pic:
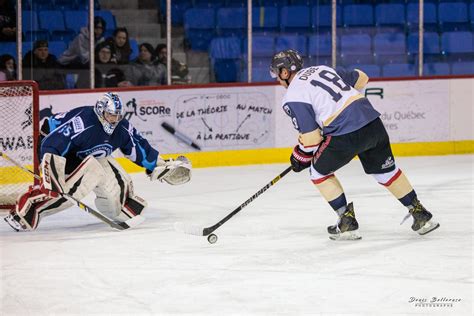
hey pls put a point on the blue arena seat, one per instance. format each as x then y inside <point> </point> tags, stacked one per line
<point>321,17</point>
<point>453,16</point>
<point>56,48</point>
<point>108,18</point>
<point>265,19</point>
<point>199,25</point>
<point>260,72</point>
<point>373,71</point>
<point>231,21</point>
<point>358,15</point>
<point>178,7</point>
<point>297,42</point>
<point>436,69</point>
<point>209,4</point>
<point>275,3</point>
<point>430,43</point>
<point>430,17</point>
<point>225,58</point>
<point>30,21</point>
<point>399,70</point>
<point>295,19</point>
<point>262,46</point>
<point>320,45</point>
<point>65,4</point>
<point>356,49</point>
<point>32,36</point>
<point>75,19</point>
<point>471,10</point>
<point>390,14</point>
<point>8,48</point>
<point>236,3</point>
<point>52,20</point>
<point>390,48</point>
<point>457,43</point>
<point>462,68</point>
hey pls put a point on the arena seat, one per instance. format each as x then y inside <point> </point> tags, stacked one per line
<point>399,70</point>
<point>265,19</point>
<point>295,19</point>
<point>231,21</point>
<point>199,25</point>
<point>453,16</point>
<point>225,58</point>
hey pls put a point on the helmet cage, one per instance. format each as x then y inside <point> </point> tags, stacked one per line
<point>111,104</point>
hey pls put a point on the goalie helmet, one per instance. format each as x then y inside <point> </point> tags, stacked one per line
<point>289,59</point>
<point>110,111</point>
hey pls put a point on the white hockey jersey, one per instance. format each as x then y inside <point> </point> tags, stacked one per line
<point>320,97</point>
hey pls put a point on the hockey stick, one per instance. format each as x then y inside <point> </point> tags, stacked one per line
<point>117,225</point>
<point>199,231</point>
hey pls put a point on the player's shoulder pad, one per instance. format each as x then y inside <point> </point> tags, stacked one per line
<point>362,79</point>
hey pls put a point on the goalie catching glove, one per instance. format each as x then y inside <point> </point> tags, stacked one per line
<point>173,172</point>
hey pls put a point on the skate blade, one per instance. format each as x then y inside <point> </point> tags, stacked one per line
<point>428,227</point>
<point>13,224</point>
<point>349,235</point>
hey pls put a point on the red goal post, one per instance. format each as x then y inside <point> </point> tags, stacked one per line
<point>19,135</point>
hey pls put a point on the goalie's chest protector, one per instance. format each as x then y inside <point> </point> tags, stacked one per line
<point>80,134</point>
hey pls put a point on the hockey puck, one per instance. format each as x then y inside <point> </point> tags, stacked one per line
<point>212,238</point>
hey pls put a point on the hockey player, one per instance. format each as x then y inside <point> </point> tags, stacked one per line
<point>336,123</point>
<point>75,151</point>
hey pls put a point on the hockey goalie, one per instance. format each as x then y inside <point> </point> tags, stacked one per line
<point>75,153</point>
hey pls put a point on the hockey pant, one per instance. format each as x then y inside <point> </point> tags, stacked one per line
<point>104,176</point>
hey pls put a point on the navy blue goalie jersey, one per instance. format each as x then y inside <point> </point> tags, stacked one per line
<point>79,133</point>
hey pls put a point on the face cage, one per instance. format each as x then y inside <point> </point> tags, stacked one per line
<point>109,127</point>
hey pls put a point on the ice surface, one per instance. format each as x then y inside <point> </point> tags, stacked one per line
<point>273,258</point>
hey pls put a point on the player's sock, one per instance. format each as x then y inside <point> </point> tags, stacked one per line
<point>347,226</point>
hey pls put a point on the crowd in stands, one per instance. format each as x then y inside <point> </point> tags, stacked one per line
<point>114,64</point>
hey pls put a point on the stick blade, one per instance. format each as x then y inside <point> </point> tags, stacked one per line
<point>188,229</point>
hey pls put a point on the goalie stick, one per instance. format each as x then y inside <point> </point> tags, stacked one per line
<point>117,225</point>
<point>199,231</point>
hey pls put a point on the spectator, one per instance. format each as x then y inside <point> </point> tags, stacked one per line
<point>41,66</point>
<point>7,67</point>
<point>121,46</point>
<point>146,70</point>
<point>77,54</point>
<point>7,22</point>
<point>107,73</point>
<point>179,71</point>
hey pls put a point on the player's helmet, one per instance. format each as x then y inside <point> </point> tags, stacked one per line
<point>289,59</point>
<point>110,111</point>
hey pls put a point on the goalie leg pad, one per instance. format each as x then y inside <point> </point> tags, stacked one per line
<point>115,194</point>
<point>132,207</point>
<point>84,178</point>
<point>33,205</point>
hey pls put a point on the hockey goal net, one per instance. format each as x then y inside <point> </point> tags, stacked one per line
<point>19,128</point>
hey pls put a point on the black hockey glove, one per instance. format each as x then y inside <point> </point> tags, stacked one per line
<point>300,160</point>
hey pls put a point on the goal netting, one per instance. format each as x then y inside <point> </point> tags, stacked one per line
<point>19,117</point>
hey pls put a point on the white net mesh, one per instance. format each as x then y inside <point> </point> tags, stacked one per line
<point>16,140</point>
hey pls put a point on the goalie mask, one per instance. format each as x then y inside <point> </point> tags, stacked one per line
<point>110,111</point>
<point>289,59</point>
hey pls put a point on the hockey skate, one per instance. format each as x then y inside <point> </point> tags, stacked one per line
<point>347,227</point>
<point>14,222</point>
<point>422,223</point>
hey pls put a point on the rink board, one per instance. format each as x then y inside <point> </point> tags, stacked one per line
<point>223,125</point>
